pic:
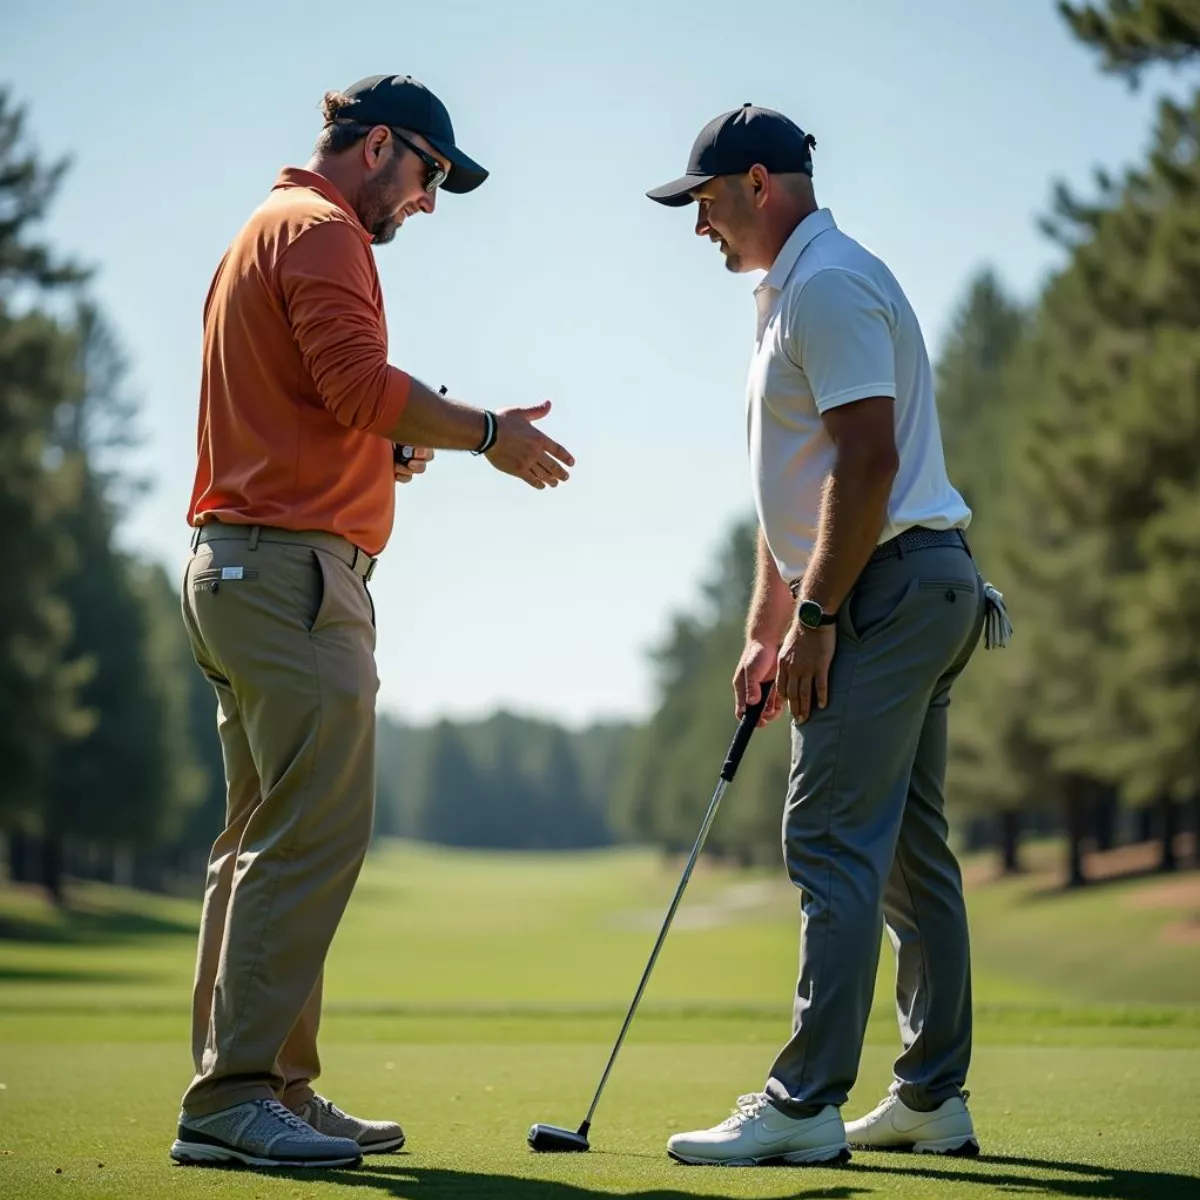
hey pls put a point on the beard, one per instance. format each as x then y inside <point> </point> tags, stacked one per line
<point>383,230</point>
<point>377,206</point>
<point>733,260</point>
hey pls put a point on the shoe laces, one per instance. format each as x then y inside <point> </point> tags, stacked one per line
<point>884,1106</point>
<point>286,1115</point>
<point>891,1100</point>
<point>329,1106</point>
<point>748,1107</point>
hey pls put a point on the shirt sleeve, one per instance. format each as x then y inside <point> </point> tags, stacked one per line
<point>326,277</point>
<point>839,334</point>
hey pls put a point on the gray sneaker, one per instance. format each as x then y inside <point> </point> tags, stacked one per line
<point>372,1137</point>
<point>260,1133</point>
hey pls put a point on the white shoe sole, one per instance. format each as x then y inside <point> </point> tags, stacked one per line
<point>961,1146</point>
<point>198,1154</point>
<point>818,1156</point>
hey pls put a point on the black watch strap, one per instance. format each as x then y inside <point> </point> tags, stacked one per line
<point>809,608</point>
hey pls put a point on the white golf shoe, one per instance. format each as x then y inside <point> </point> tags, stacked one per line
<point>758,1133</point>
<point>894,1126</point>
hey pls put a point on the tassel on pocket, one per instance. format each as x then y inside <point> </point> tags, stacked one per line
<point>997,628</point>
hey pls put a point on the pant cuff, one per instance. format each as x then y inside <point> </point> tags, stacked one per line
<point>925,1099</point>
<point>796,1109</point>
<point>296,1097</point>
<point>210,1102</point>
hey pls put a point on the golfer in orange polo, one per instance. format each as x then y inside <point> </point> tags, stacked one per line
<point>300,415</point>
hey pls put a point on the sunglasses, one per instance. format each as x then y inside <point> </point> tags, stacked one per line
<point>437,174</point>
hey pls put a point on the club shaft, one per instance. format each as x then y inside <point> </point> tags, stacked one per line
<point>662,935</point>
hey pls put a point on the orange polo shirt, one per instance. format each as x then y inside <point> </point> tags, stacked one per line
<point>296,393</point>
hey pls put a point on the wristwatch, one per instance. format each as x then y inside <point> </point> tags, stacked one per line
<point>812,615</point>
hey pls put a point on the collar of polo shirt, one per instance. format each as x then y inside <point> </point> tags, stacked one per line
<point>801,237</point>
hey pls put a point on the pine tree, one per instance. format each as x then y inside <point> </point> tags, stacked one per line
<point>126,783</point>
<point>1134,34</point>
<point>38,684</point>
<point>1112,458</point>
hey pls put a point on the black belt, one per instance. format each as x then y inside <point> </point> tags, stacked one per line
<point>915,538</point>
<point>919,538</point>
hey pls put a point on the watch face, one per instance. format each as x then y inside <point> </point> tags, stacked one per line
<point>810,614</point>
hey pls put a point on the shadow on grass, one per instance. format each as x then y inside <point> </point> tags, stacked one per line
<point>1065,1178</point>
<point>428,1183</point>
<point>60,975</point>
<point>1139,862</point>
<point>91,927</point>
<point>950,1177</point>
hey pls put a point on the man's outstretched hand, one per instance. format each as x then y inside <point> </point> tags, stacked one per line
<point>523,450</point>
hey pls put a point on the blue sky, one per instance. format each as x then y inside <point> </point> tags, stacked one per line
<point>941,128</point>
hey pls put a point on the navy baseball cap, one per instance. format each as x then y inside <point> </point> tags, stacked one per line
<point>733,143</point>
<point>400,101</point>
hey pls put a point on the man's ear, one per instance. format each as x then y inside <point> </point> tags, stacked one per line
<point>760,185</point>
<point>374,145</point>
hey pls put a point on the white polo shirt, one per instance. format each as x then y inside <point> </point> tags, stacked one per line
<point>834,326</point>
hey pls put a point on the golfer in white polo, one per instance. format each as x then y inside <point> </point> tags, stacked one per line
<point>867,606</point>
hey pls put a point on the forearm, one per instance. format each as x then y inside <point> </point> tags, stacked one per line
<point>853,510</point>
<point>771,605</point>
<point>438,423</point>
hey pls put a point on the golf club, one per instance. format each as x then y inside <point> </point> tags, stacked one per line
<point>551,1138</point>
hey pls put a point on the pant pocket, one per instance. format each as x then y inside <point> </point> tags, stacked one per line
<point>319,591</point>
<point>950,588</point>
<point>873,611</point>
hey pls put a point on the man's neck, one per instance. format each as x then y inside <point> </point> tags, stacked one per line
<point>333,170</point>
<point>789,222</point>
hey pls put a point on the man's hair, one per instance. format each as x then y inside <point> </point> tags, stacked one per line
<point>339,133</point>
<point>796,183</point>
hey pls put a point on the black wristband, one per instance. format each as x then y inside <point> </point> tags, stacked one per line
<point>490,431</point>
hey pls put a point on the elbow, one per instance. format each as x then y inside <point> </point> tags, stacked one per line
<point>886,465</point>
<point>370,401</point>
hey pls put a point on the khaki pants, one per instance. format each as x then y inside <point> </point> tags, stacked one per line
<point>283,627</point>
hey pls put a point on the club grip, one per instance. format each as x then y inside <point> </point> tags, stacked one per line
<point>747,725</point>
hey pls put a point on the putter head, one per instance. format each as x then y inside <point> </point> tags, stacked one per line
<point>550,1139</point>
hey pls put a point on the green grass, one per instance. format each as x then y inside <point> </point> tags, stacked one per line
<point>471,995</point>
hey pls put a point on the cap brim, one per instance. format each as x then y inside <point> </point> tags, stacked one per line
<point>678,192</point>
<point>465,173</point>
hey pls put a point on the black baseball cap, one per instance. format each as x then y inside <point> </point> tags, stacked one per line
<point>400,101</point>
<point>733,143</point>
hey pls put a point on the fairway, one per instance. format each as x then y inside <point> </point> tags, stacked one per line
<point>471,994</point>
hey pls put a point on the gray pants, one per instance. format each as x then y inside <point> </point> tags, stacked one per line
<point>865,838</point>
